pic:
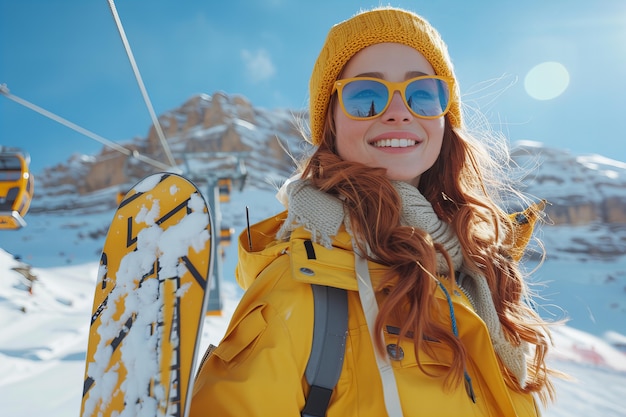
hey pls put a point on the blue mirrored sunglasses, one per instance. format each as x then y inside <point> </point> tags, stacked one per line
<point>362,98</point>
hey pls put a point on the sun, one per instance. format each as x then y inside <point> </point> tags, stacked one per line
<point>547,80</point>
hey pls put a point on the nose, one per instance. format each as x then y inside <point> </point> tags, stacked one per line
<point>397,110</point>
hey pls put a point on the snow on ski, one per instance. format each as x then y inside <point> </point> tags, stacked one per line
<point>150,302</point>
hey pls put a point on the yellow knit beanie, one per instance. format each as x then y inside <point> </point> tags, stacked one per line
<point>385,24</point>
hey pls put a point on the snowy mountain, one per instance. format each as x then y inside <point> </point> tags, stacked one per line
<point>586,193</point>
<point>44,319</point>
<point>205,134</point>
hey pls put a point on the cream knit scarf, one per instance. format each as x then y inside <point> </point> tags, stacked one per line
<point>323,214</point>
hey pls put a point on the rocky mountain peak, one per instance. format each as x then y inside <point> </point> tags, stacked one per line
<point>201,128</point>
<point>580,189</point>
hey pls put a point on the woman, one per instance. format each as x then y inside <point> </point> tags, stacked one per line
<point>393,207</point>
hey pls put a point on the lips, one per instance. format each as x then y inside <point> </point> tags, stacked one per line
<point>394,143</point>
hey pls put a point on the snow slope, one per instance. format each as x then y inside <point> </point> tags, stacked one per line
<point>44,338</point>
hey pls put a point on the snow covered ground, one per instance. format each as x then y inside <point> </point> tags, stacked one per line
<point>43,334</point>
<point>43,340</point>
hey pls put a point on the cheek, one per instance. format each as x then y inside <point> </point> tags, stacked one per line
<point>348,133</point>
<point>437,126</point>
<point>435,129</point>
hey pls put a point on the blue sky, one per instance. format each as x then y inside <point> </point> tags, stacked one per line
<point>67,57</point>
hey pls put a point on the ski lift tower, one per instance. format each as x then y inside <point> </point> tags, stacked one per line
<point>219,181</point>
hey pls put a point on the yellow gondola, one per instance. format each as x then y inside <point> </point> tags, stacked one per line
<point>16,188</point>
<point>225,186</point>
<point>226,235</point>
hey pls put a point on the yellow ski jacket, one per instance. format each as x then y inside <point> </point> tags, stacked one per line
<point>258,368</point>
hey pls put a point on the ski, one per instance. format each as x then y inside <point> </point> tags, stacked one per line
<point>150,302</point>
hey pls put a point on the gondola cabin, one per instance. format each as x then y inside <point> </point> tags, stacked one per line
<point>226,235</point>
<point>16,188</point>
<point>224,186</point>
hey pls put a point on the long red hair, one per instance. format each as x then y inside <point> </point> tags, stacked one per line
<point>457,187</point>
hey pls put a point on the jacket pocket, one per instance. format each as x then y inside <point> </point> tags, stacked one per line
<point>435,357</point>
<point>242,336</point>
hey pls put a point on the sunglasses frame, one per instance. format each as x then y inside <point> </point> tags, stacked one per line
<point>392,87</point>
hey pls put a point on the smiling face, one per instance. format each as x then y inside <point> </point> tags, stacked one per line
<point>405,145</point>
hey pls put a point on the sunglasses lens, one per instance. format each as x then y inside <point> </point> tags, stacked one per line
<point>364,98</point>
<point>428,96</point>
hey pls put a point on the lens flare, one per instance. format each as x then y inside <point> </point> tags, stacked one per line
<point>546,81</point>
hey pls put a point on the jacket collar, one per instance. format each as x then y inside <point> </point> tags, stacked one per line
<point>310,262</point>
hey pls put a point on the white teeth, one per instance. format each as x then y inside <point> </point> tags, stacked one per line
<point>394,143</point>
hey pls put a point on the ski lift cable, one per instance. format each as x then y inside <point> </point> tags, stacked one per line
<point>142,87</point>
<point>157,164</point>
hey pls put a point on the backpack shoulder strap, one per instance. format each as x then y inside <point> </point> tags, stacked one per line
<point>330,327</point>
